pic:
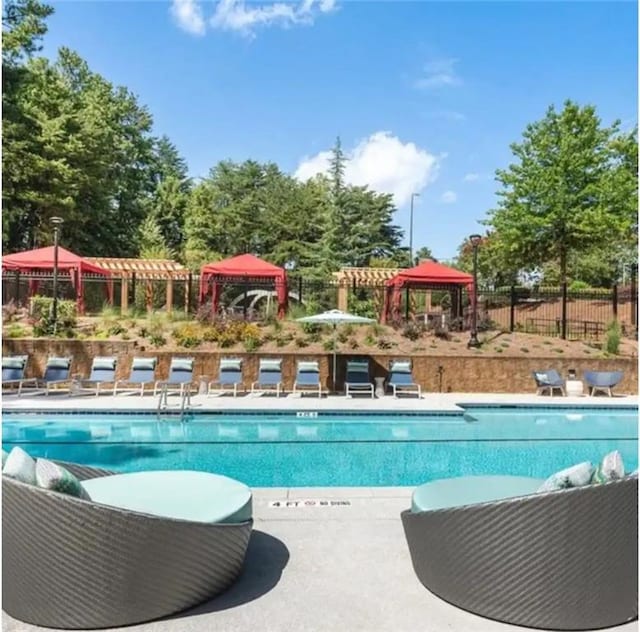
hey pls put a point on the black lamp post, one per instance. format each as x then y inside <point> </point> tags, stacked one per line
<point>473,340</point>
<point>57,222</point>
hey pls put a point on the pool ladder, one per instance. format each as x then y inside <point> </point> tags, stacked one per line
<point>185,400</point>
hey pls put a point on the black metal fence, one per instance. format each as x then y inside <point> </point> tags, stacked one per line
<point>551,311</point>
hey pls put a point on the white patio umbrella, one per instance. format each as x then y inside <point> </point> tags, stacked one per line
<point>335,317</point>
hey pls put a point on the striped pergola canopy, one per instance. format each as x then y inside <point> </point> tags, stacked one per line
<point>365,276</point>
<point>156,269</point>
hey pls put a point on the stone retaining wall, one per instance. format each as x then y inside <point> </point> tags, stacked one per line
<point>433,373</point>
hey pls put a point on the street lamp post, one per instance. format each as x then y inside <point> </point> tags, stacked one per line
<point>473,340</point>
<point>413,195</point>
<point>57,222</point>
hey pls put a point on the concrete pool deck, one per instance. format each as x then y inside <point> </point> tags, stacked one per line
<point>340,566</point>
<point>430,402</point>
<point>325,569</point>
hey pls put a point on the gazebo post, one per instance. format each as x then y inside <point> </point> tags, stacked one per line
<point>124,294</point>
<point>169,295</point>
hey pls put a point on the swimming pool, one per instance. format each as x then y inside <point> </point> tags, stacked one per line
<point>281,449</point>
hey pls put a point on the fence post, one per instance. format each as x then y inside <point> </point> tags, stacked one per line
<point>634,298</point>
<point>406,304</point>
<point>300,290</point>
<point>244,301</point>
<point>189,284</point>
<point>17,287</point>
<point>133,288</point>
<point>512,311</point>
<point>563,333</point>
<point>614,300</point>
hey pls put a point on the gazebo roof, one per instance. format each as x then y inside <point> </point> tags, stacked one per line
<point>431,272</point>
<point>158,269</point>
<point>43,259</point>
<point>243,265</point>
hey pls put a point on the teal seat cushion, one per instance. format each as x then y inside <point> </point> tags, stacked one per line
<point>182,495</point>
<point>470,490</point>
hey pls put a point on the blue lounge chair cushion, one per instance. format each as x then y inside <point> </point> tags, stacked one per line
<point>21,466</point>
<point>574,476</point>
<point>610,469</point>
<point>182,495</point>
<point>50,475</point>
<point>144,364</point>
<point>470,490</point>
<point>355,366</point>
<point>58,363</point>
<point>103,363</point>
<point>270,365</point>
<point>14,362</point>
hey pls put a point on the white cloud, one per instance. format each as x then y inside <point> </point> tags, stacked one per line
<point>437,74</point>
<point>382,162</point>
<point>448,197</point>
<point>188,16</point>
<point>235,15</point>
<point>471,177</point>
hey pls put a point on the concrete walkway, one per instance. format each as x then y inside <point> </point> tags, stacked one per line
<point>335,568</point>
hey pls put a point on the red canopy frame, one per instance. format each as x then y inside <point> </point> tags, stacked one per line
<point>68,263</point>
<point>240,269</point>
<point>427,275</point>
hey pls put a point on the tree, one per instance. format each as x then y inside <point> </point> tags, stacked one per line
<point>567,191</point>
<point>424,252</point>
<point>152,244</point>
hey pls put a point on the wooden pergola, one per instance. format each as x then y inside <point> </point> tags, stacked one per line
<point>361,277</point>
<point>146,270</point>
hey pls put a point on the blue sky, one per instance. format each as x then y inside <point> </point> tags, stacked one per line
<point>426,96</point>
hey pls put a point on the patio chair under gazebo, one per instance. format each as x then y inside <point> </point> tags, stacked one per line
<point>242,269</point>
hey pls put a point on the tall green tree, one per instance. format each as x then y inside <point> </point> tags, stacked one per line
<point>563,193</point>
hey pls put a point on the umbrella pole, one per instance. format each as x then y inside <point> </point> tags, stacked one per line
<point>334,357</point>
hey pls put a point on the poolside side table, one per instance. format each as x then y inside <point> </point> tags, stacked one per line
<point>574,388</point>
<point>379,386</point>
<point>203,387</point>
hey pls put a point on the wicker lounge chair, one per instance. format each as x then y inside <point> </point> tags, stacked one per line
<point>602,381</point>
<point>549,380</point>
<point>308,377</point>
<point>357,378</point>
<point>230,374</point>
<point>75,564</point>
<point>561,560</point>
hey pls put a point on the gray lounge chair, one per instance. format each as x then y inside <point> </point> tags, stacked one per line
<point>13,370</point>
<point>230,374</point>
<point>143,372</point>
<point>602,381</point>
<point>76,564</point>
<point>401,378</point>
<point>549,380</point>
<point>180,375</point>
<point>103,371</point>
<point>357,377</point>
<point>269,376</point>
<point>308,377</point>
<point>560,560</point>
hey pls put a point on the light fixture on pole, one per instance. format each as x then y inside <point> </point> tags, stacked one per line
<point>413,195</point>
<point>473,340</point>
<point>57,222</point>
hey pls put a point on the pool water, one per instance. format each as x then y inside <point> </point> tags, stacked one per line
<point>333,449</point>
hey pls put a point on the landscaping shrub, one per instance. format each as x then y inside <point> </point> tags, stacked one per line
<point>205,313</point>
<point>441,332</point>
<point>311,328</point>
<point>15,331</point>
<point>342,336</point>
<point>10,311</point>
<point>315,336</point>
<point>157,340</point>
<point>41,314</point>
<point>301,342</point>
<point>578,285</point>
<point>227,339</point>
<point>383,343</point>
<point>353,344</point>
<point>329,345</point>
<point>251,343</point>
<point>188,335</point>
<point>377,329</point>
<point>613,337</point>
<point>413,331</point>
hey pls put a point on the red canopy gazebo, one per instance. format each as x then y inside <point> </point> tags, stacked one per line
<point>429,275</point>
<point>241,269</point>
<point>41,259</point>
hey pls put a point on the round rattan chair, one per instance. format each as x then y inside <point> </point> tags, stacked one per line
<point>562,560</point>
<point>75,564</point>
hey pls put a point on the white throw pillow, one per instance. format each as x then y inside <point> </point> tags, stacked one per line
<point>50,475</point>
<point>5,454</point>
<point>574,476</point>
<point>611,468</point>
<point>21,466</point>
